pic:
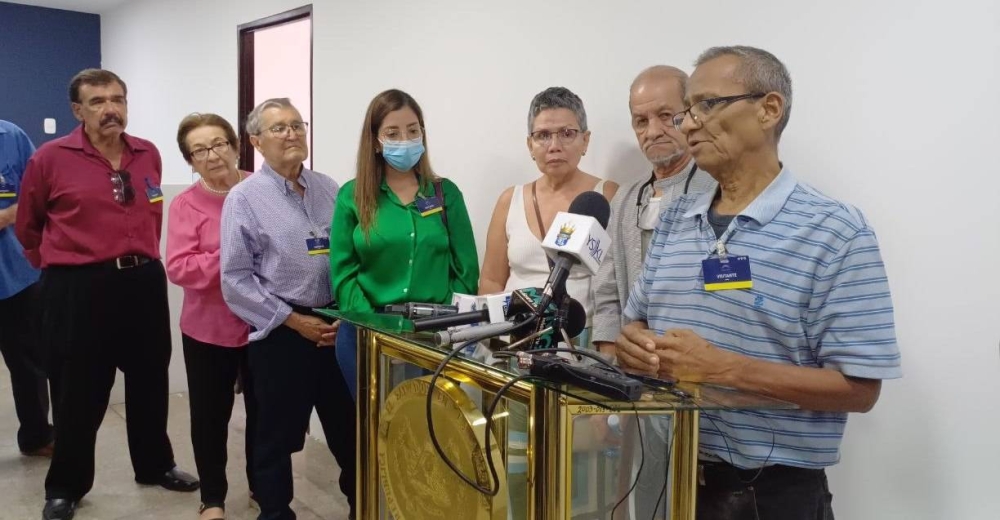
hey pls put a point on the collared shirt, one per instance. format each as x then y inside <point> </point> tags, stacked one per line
<point>406,257</point>
<point>67,213</point>
<point>820,299</point>
<point>193,226</point>
<point>265,260</point>
<point>15,150</point>
<point>629,244</point>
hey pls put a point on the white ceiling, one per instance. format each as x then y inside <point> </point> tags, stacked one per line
<point>84,6</point>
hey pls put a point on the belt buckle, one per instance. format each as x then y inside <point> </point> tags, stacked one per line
<point>127,265</point>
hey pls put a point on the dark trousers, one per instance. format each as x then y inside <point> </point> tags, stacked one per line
<point>291,376</point>
<point>212,373</point>
<point>780,493</point>
<point>19,347</point>
<point>97,319</point>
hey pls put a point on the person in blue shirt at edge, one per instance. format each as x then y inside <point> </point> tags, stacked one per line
<point>763,285</point>
<point>397,210</point>
<point>18,293</point>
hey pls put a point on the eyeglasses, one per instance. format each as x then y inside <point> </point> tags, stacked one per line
<point>299,128</point>
<point>566,135</point>
<point>395,134</point>
<point>121,187</point>
<point>700,110</point>
<point>200,154</point>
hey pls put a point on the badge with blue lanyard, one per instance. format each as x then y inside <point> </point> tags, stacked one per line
<point>723,271</point>
<point>153,193</point>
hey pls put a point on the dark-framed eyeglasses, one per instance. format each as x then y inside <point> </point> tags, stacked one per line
<point>700,110</point>
<point>121,187</point>
<point>566,135</point>
<point>200,154</point>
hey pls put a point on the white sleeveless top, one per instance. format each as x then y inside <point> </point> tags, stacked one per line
<point>529,266</point>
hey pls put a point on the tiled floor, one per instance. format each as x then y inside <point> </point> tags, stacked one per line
<point>117,496</point>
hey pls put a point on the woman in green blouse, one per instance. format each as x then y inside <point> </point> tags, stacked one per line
<point>400,233</point>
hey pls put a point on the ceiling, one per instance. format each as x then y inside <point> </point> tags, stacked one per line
<point>84,6</point>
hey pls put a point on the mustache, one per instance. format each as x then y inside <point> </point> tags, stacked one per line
<point>112,118</point>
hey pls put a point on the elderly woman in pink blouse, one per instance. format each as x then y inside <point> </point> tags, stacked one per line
<point>214,338</point>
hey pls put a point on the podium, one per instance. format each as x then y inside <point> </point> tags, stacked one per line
<point>560,452</point>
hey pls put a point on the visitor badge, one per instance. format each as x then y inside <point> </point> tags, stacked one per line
<point>727,272</point>
<point>318,246</point>
<point>429,205</point>
<point>153,193</point>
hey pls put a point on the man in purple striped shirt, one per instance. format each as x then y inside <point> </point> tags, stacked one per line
<point>274,247</point>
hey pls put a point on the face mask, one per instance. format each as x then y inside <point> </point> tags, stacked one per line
<point>403,155</point>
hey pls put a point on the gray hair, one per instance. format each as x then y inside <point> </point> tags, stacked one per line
<point>557,97</point>
<point>253,120</point>
<point>759,71</point>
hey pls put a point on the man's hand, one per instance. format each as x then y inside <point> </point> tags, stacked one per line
<point>688,357</point>
<point>636,349</point>
<point>314,329</point>
<point>7,216</point>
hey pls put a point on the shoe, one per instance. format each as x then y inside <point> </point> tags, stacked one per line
<point>59,509</point>
<point>211,513</point>
<point>44,451</point>
<point>174,480</point>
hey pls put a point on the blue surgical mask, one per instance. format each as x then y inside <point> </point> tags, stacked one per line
<point>403,155</point>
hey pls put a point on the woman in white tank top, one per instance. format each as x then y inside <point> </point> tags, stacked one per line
<point>557,139</point>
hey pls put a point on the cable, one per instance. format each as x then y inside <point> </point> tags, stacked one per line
<point>642,461</point>
<point>495,481</point>
<point>666,473</point>
<point>437,446</point>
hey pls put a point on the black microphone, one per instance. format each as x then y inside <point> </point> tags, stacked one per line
<point>412,310</point>
<point>587,204</point>
<point>450,320</point>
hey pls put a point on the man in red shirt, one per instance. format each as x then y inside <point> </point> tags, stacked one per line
<point>89,216</point>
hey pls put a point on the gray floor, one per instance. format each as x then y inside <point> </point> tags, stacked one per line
<point>117,496</point>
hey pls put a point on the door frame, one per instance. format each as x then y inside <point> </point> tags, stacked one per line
<point>245,67</point>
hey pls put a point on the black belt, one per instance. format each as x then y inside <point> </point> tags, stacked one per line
<point>127,261</point>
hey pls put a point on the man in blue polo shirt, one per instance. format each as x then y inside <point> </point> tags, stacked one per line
<point>763,285</point>
<point>17,300</point>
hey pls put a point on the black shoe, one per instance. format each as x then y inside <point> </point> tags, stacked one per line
<point>174,480</point>
<point>59,509</point>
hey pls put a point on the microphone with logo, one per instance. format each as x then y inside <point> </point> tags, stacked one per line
<point>577,237</point>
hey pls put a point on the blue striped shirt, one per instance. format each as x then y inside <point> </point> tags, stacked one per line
<point>820,299</point>
<point>15,150</point>
<point>264,257</point>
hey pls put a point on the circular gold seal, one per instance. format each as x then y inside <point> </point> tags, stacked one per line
<point>418,485</point>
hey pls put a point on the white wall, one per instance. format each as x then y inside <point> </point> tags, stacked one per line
<point>895,106</point>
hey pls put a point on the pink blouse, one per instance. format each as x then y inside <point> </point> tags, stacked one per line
<point>193,226</point>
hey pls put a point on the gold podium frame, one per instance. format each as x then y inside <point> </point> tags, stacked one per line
<point>550,414</point>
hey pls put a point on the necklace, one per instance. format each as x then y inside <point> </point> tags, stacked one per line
<point>221,192</point>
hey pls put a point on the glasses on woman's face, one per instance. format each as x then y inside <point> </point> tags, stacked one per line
<point>201,154</point>
<point>397,134</point>
<point>700,111</point>
<point>121,187</point>
<point>564,136</point>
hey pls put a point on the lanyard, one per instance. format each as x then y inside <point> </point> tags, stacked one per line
<point>720,244</point>
<point>652,179</point>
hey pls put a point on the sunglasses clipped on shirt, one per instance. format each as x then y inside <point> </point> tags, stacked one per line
<point>121,187</point>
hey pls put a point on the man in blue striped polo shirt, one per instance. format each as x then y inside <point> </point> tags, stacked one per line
<point>763,285</point>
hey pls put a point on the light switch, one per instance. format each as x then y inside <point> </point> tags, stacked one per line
<point>50,125</point>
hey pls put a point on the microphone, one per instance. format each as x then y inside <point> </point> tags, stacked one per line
<point>450,320</point>
<point>412,310</point>
<point>578,237</point>
<point>444,337</point>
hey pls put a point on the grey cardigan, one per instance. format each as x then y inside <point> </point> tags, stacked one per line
<point>623,261</point>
